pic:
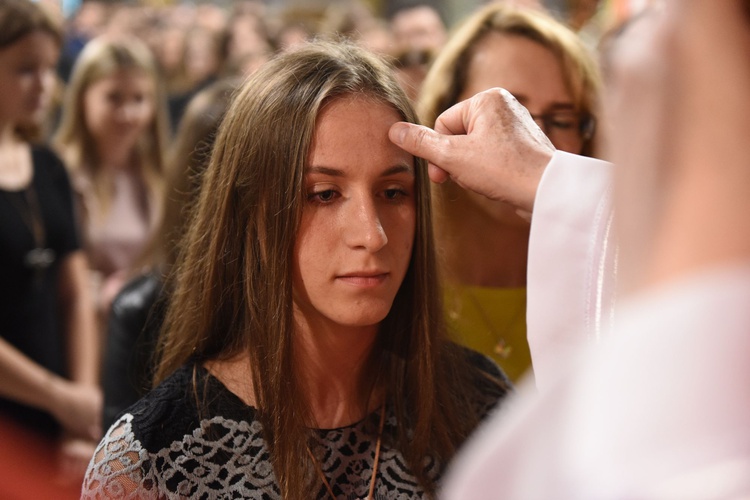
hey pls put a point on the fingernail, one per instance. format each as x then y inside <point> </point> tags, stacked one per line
<point>398,133</point>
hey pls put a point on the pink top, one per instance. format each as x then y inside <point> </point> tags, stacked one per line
<point>114,240</point>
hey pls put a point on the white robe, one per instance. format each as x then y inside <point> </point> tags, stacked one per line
<point>656,405</point>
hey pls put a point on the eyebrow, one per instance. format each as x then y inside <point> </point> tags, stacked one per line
<point>555,106</point>
<point>334,172</point>
<point>560,106</point>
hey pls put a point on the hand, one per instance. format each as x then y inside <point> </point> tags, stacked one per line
<point>488,144</point>
<point>78,408</point>
<point>110,287</point>
<point>74,455</point>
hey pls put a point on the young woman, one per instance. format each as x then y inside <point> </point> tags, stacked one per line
<point>112,137</point>
<point>304,353</point>
<point>484,243</point>
<point>48,348</point>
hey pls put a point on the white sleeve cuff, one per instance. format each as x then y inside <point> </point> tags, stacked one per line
<point>572,260</point>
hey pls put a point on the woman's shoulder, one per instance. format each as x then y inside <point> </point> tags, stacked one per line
<point>187,423</point>
<point>489,380</point>
<point>45,155</point>
<point>166,412</point>
<point>183,404</point>
<point>483,363</point>
<point>47,161</point>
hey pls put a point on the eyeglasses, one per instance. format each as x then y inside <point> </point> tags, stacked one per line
<point>566,125</point>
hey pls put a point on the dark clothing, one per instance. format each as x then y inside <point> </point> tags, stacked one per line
<point>177,104</point>
<point>134,323</point>
<point>169,445</point>
<point>30,318</point>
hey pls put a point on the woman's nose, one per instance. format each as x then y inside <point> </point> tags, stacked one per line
<point>364,229</point>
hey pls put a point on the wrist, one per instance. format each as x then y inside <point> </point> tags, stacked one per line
<point>53,388</point>
<point>529,187</point>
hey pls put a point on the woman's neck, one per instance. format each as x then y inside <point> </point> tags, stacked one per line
<point>115,158</point>
<point>332,364</point>
<point>481,250</point>
<point>15,161</point>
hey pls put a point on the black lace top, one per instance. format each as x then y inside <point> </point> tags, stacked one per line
<point>165,447</point>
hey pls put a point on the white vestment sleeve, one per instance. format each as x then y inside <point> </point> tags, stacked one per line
<point>656,408</point>
<point>572,262</point>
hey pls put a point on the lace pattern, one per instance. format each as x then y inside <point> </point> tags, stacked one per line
<point>115,470</point>
<point>227,459</point>
<point>162,449</point>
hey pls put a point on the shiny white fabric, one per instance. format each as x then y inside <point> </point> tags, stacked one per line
<point>658,408</point>
<point>571,256</point>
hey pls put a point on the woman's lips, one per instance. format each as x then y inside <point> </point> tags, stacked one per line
<point>364,279</point>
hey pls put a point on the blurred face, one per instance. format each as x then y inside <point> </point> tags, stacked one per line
<point>357,229</point>
<point>534,76</point>
<point>27,78</point>
<point>419,28</point>
<point>119,107</point>
<point>202,59</point>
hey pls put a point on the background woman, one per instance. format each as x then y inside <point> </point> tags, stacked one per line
<point>305,330</point>
<point>112,136</point>
<point>48,348</point>
<point>484,243</point>
<point>138,310</point>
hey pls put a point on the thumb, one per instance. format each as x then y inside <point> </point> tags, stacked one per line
<point>418,140</point>
<point>422,142</point>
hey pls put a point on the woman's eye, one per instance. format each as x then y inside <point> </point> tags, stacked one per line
<point>394,194</point>
<point>563,124</point>
<point>323,196</point>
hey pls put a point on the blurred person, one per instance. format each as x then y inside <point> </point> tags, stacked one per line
<point>203,57</point>
<point>112,136</point>
<point>248,44</point>
<point>168,46</point>
<point>48,346</point>
<point>346,19</point>
<point>294,26</point>
<point>376,37</point>
<point>658,407</point>
<point>86,23</point>
<point>211,17</point>
<point>485,243</point>
<point>138,310</point>
<point>203,63</point>
<point>411,70</point>
<point>418,27</point>
<point>124,20</point>
<point>305,326</point>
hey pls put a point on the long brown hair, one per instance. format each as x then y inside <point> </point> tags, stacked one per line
<point>233,290</point>
<point>187,161</point>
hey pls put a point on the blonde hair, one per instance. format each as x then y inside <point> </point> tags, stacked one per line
<point>448,74</point>
<point>233,292</point>
<point>100,58</point>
